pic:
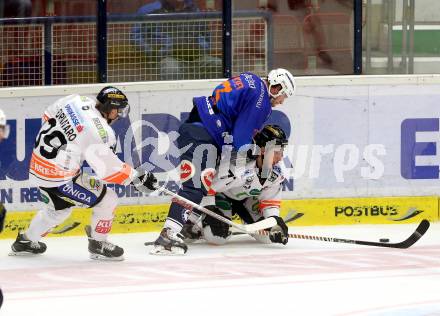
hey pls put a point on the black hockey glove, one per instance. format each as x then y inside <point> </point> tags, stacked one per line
<point>218,228</point>
<point>280,232</point>
<point>2,216</point>
<point>145,183</point>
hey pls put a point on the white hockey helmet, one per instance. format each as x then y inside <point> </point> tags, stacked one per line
<point>284,78</point>
<point>3,124</point>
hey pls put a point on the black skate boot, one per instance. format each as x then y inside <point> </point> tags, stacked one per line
<point>103,250</point>
<point>24,246</point>
<point>169,243</point>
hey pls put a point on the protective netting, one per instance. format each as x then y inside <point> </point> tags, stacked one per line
<point>136,51</point>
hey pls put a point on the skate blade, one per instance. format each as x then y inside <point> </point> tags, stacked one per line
<point>191,241</point>
<point>23,254</point>
<point>161,251</point>
<point>104,258</point>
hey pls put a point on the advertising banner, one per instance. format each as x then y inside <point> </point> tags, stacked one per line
<point>348,211</point>
<point>349,137</point>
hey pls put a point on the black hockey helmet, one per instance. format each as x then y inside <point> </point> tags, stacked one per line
<point>271,133</point>
<point>112,98</point>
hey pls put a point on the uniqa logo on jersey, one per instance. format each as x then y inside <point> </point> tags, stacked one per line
<point>78,194</point>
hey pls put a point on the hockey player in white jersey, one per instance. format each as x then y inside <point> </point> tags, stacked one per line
<point>77,129</point>
<point>4,127</point>
<point>4,133</point>
<point>249,191</point>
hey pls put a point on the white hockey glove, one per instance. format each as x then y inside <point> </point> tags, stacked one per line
<point>280,232</point>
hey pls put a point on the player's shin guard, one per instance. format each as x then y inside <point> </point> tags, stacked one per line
<point>102,219</point>
<point>44,221</point>
<point>102,216</point>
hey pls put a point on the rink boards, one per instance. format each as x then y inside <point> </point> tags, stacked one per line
<point>349,136</point>
<point>354,141</point>
<point>313,212</point>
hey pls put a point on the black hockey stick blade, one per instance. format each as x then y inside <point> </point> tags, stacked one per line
<point>411,240</point>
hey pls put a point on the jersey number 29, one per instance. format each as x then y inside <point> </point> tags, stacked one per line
<point>52,141</point>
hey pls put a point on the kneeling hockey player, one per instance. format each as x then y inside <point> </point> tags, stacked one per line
<point>251,192</point>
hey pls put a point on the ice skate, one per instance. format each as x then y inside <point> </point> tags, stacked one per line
<point>169,243</point>
<point>103,250</point>
<point>24,246</point>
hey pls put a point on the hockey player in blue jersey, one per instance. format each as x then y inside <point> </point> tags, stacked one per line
<point>236,110</point>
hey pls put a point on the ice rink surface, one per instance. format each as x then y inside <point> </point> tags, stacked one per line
<point>240,278</point>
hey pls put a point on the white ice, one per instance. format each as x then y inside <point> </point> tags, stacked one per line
<point>240,278</point>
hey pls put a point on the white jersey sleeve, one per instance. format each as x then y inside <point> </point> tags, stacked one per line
<point>107,166</point>
<point>270,196</point>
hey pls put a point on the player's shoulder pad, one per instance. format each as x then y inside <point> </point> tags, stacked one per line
<point>276,174</point>
<point>244,170</point>
<point>78,101</point>
<point>248,174</point>
<point>86,99</point>
<point>252,81</point>
<point>245,174</point>
<point>102,131</point>
<point>64,100</point>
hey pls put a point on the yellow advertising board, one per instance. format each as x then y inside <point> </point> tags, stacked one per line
<point>377,210</point>
<point>311,212</point>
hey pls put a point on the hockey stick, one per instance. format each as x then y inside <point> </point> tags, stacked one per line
<point>246,228</point>
<point>66,228</point>
<point>411,240</point>
<point>290,217</point>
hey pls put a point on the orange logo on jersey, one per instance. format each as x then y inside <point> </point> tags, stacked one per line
<point>187,170</point>
<point>47,170</point>
<point>226,88</point>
